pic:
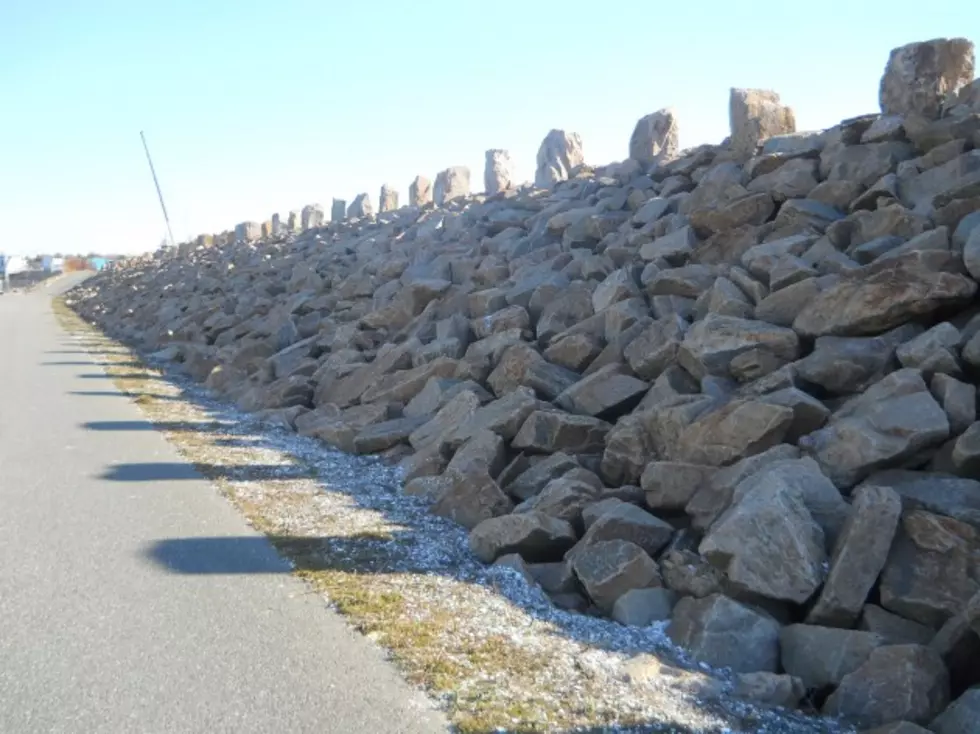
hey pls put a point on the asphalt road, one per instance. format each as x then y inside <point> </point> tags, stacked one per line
<point>94,637</point>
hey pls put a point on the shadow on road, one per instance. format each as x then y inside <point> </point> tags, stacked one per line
<point>104,376</point>
<point>80,363</point>
<point>120,394</point>
<point>170,471</point>
<point>150,426</point>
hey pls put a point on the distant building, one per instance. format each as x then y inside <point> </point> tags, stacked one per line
<point>52,264</point>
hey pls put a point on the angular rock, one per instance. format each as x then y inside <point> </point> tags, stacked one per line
<point>881,297</point>
<point>608,569</point>
<point>471,498</point>
<point>739,429</point>
<point>756,115</point>
<point>536,537</point>
<point>822,656</point>
<point>930,573</point>
<point>920,76</point>
<point>655,138</point>
<point>859,556</point>
<point>420,192</point>
<point>604,394</point>
<point>769,544</point>
<point>549,431</point>
<point>560,153</point>
<point>640,607</point>
<point>897,682</point>
<point>892,422</point>
<point>726,634</point>
<point>498,173</point>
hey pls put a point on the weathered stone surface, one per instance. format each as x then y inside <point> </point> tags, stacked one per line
<point>931,569</point>
<point>961,716</point>
<point>655,138</point>
<point>711,345</point>
<point>603,394</point>
<point>919,76</point>
<point>769,689</point>
<point>420,192</point>
<point>548,431</point>
<point>858,557</point>
<point>756,115</point>
<point>640,607</point>
<point>381,436</point>
<point>882,297</point>
<point>498,174</point>
<point>535,478</point>
<point>769,544</point>
<point>471,498</point>
<point>450,184</point>
<point>670,485</point>
<point>726,634</point>
<point>955,497</point>
<point>559,155</point>
<point>536,537</point>
<point>894,629</point>
<point>387,199</point>
<point>338,210</point>
<point>610,568</point>
<point>737,430</point>
<point>361,207</point>
<point>627,522</point>
<point>894,420</point>
<point>822,656</point>
<point>897,682</point>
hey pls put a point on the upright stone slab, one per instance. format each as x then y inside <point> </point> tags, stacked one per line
<point>276,224</point>
<point>247,232</point>
<point>338,211</point>
<point>295,221</point>
<point>360,207</point>
<point>560,153</point>
<point>755,115</point>
<point>919,76</point>
<point>498,175</point>
<point>312,216</point>
<point>451,183</point>
<point>266,228</point>
<point>655,137</point>
<point>420,192</point>
<point>388,201</point>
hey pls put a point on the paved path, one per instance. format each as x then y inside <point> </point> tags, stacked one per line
<point>95,638</point>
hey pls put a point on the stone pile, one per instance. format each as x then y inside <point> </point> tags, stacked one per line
<point>732,387</point>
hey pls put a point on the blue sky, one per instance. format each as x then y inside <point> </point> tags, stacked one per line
<point>255,107</point>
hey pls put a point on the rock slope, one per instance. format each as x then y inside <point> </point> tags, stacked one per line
<point>733,387</point>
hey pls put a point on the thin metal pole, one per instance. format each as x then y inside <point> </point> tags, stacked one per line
<point>159,193</point>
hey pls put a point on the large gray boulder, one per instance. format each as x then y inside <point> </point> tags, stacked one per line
<point>498,174</point>
<point>726,634</point>
<point>755,115</point>
<point>655,138</point>
<point>451,183</point>
<point>920,76</point>
<point>560,153</point>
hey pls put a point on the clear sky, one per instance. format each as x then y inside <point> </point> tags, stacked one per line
<point>255,107</point>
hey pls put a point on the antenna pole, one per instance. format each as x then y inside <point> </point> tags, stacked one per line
<point>159,193</point>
